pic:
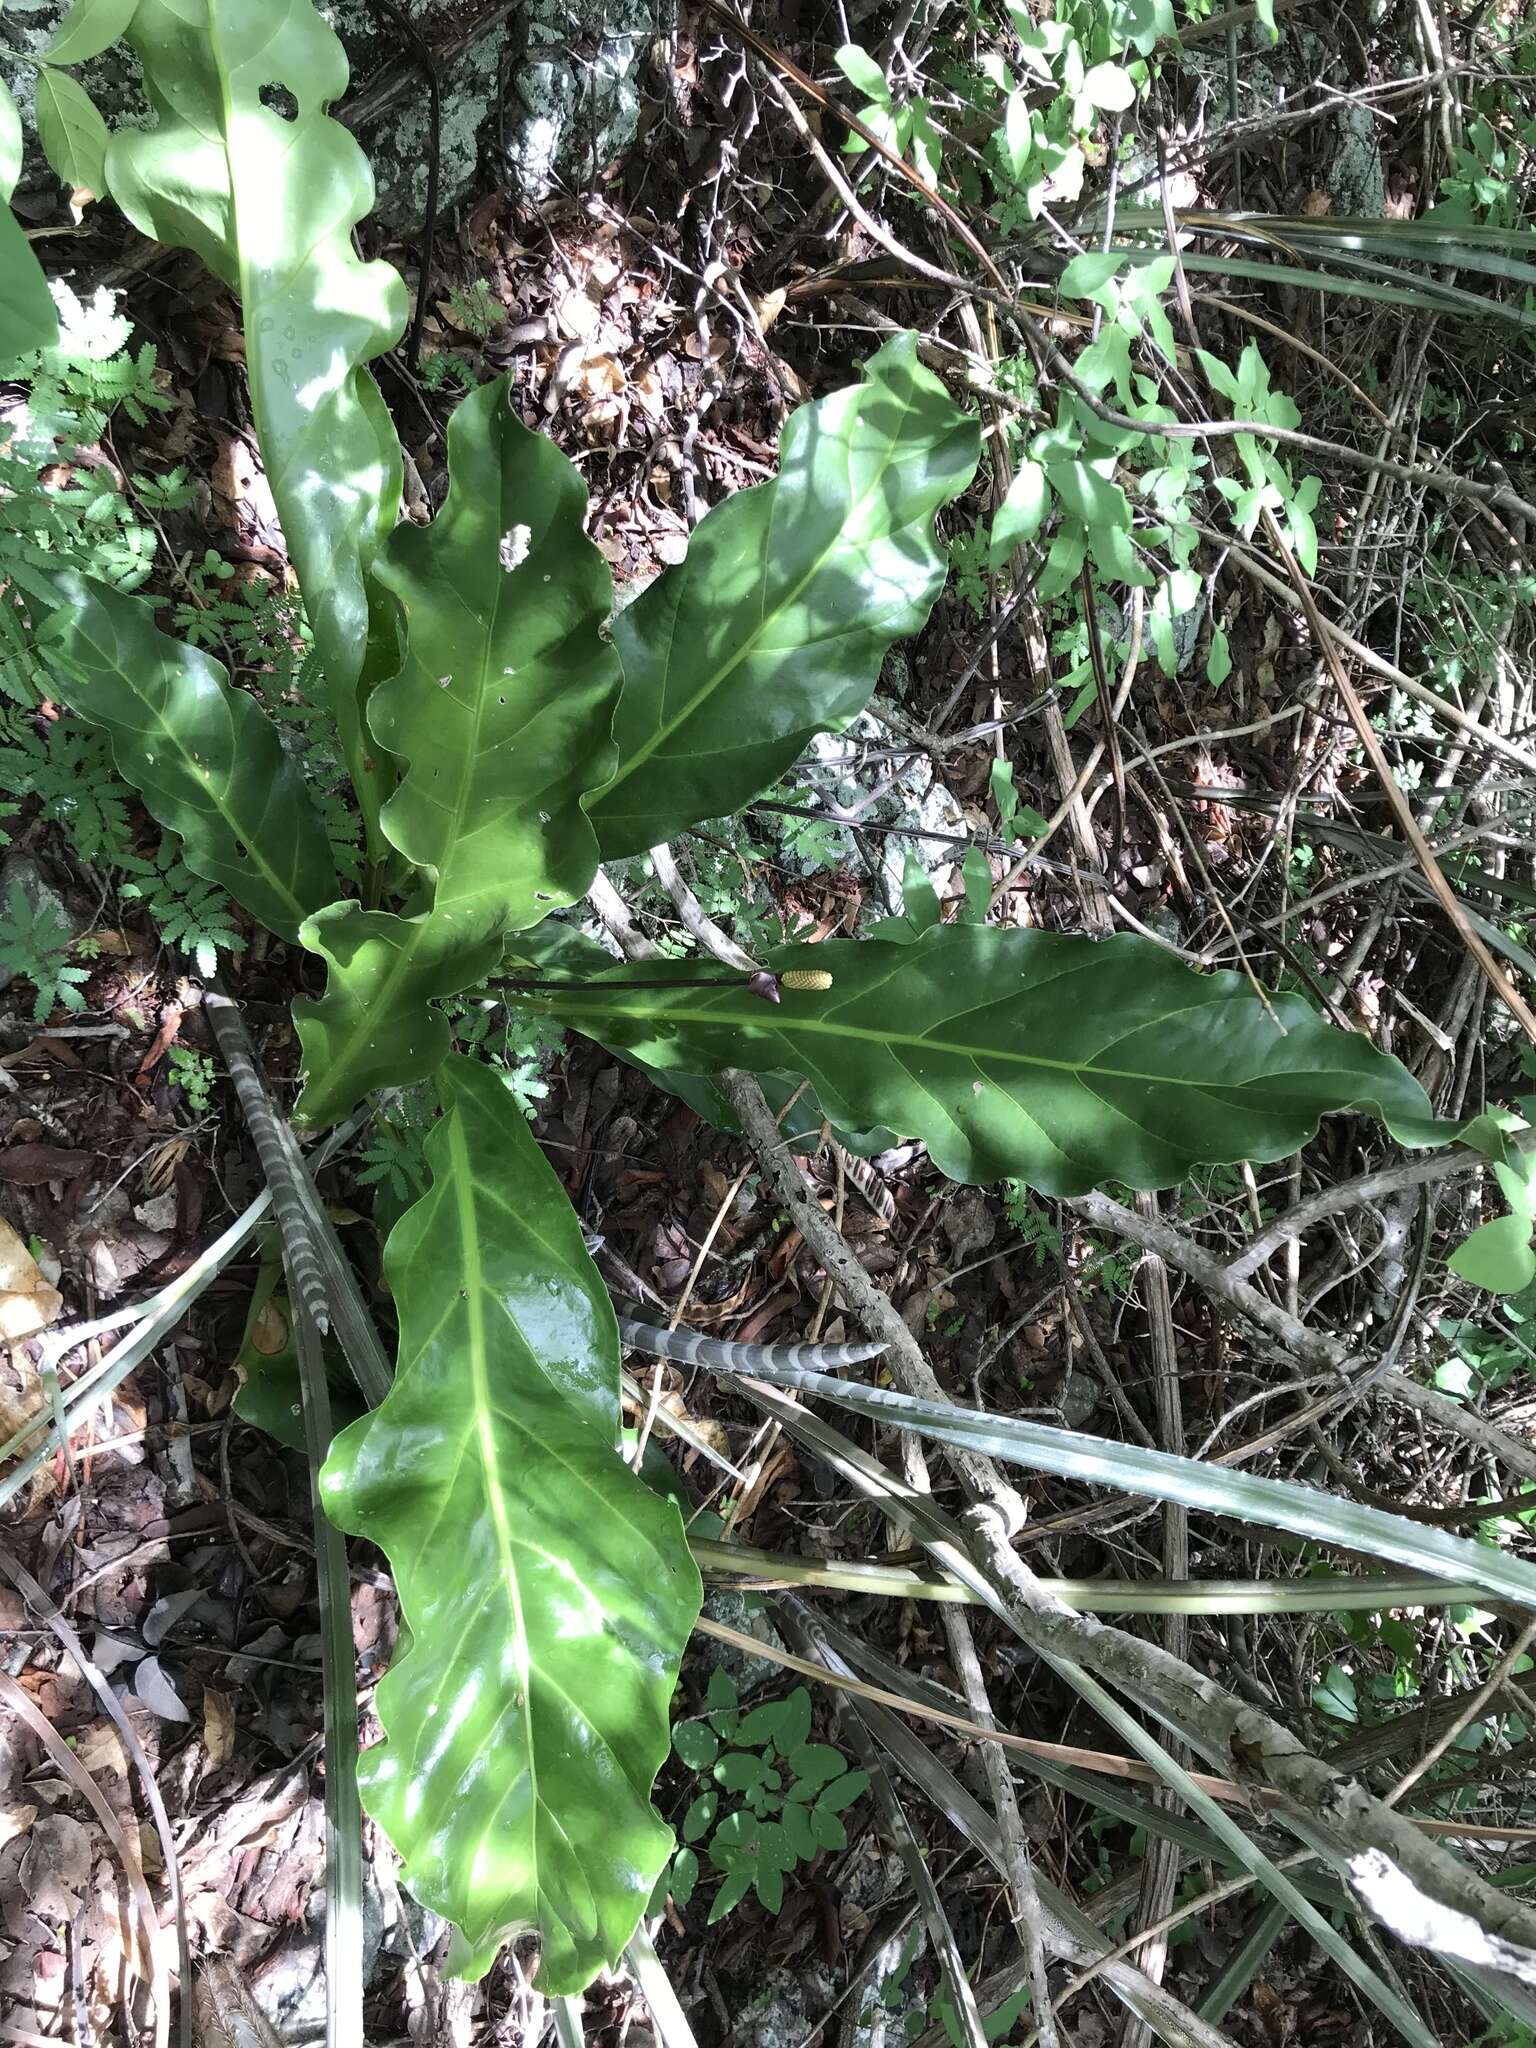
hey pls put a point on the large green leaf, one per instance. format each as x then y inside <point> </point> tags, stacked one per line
<point>501,713</point>
<point>1060,1060</point>
<point>269,199</point>
<point>548,1591</point>
<point>775,625</point>
<point>375,1025</point>
<point>27,317</point>
<point>502,710</point>
<point>204,756</point>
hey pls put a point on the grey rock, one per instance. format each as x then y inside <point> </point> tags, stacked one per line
<point>784,2007</point>
<point>574,102</point>
<point>289,1984</point>
<point>20,870</point>
<point>547,96</point>
<point>1079,1398</point>
<point>750,1673</point>
<point>1357,178</point>
<point>888,2011</point>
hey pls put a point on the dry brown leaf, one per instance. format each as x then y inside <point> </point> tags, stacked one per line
<point>27,1303</point>
<point>111,944</point>
<point>14,1821</point>
<point>577,316</point>
<point>269,1332</point>
<point>218,1727</point>
<point>56,1867</point>
<point>19,1405</point>
<point>646,390</point>
<point>100,1748</point>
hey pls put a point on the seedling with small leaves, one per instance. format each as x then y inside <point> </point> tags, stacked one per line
<point>792,1794</point>
<point>193,1073</point>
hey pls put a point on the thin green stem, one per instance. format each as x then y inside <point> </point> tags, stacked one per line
<point>1328,1593</point>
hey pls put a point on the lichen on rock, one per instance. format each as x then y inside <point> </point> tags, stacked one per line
<point>544,98</point>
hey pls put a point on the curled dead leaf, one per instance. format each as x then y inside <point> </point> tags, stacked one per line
<point>218,1727</point>
<point>27,1303</point>
<point>100,1748</point>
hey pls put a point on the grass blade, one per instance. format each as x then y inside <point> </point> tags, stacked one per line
<point>1324,1593</point>
<point>1213,1489</point>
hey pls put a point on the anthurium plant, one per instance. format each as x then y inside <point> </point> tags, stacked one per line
<point>505,734</point>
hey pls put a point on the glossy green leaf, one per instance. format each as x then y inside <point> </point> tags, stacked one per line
<point>740,1771</point>
<point>1218,663</point>
<point>843,1791</point>
<point>28,320</point>
<point>71,131</point>
<point>722,1699</point>
<point>1090,271</point>
<point>700,1815</point>
<point>1498,1255</point>
<point>375,1025</point>
<point>1059,1060</point>
<point>827,1828</point>
<point>1021,514</point>
<point>10,141</point>
<point>775,624</point>
<point>696,1744</point>
<point>90,27</point>
<point>501,712</point>
<point>861,70</point>
<point>1109,87</point>
<point>205,757</point>
<point>815,1764</point>
<point>268,199</point>
<point>547,1590</point>
<point>684,1878</point>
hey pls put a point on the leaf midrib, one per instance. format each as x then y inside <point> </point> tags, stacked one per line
<point>824,1028</point>
<point>473,1282</point>
<point>666,727</point>
<point>157,723</point>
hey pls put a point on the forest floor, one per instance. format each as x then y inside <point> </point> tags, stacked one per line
<point>660,328</point>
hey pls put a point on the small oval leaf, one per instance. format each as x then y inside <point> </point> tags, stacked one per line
<point>90,27</point>
<point>72,132</point>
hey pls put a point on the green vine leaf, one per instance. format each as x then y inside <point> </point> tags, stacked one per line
<point>375,1025</point>
<point>503,706</point>
<point>775,625</point>
<point>269,204</point>
<point>205,757</point>
<point>1059,1060</point>
<point>548,1591</point>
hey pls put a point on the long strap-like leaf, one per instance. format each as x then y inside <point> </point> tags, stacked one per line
<point>1063,1061</point>
<point>269,200</point>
